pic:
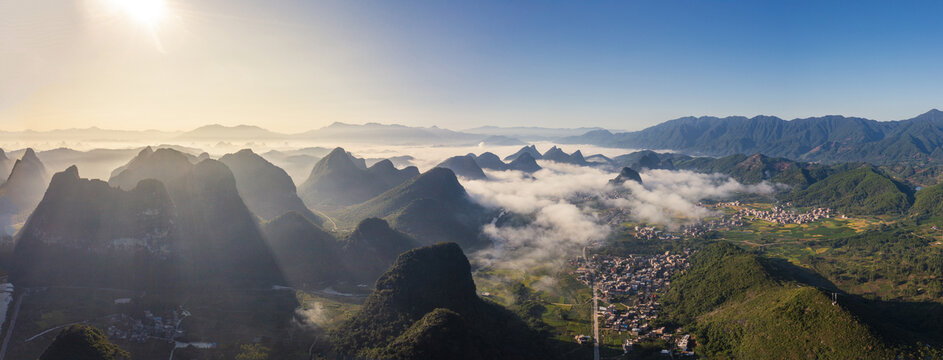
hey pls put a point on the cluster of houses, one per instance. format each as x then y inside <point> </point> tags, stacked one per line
<point>780,215</point>
<point>149,327</point>
<point>634,282</point>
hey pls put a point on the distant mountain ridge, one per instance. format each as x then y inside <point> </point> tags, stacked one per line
<point>832,138</point>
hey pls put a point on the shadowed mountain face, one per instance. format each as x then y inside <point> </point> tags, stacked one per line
<point>532,150</point>
<point>426,306</point>
<point>464,166</point>
<point>371,249</point>
<point>432,207</point>
<point>313,258</point>
<point>307,255</point>
<point>490,161</point>
<point>6,165</point>
<point>525,162</point>
<point>338,181</point>
<point>266,189</point>
<point>557,155</point>
<point>105,235</point>
<point>219,246</point>
<point>23,189</point>
<point>627,174</point>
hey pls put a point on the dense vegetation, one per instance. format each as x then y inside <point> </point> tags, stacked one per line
<point>826,139</point>
<point>928,201</point>
<point>82,342</point>
<point>739,305</point>
<point>864,190</point>
<point>426,306</point>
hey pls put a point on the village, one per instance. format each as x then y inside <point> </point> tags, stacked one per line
<point>631,286</point>
<point>149,327</point>
<point>777,214</point>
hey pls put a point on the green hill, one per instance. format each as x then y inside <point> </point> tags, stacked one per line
<point>432,207</point>
<point>928,201</point>
<point>864,190</point>
<point>740,306</point>
<point>82,342</point>
<point>426,306</point>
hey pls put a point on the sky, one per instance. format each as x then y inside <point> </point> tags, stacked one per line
<point>296,65</point>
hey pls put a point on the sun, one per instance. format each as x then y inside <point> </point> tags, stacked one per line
<point>145,12</point>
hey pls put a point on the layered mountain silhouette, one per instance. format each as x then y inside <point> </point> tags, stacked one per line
<point>204,236</point>
<point>426,306</point>
<point>830,138</point>
<point>489,160</point>
<point>104,235</point>
<point>313,258</point>
<point>338,181</point>
<point>532,150</point>
<point>6,165</point>
<point>22,190</point>
<point>464,166</point>
<point>267,190</point>
<point>522,162</point>
<point>431,207</point>
<point>525,162</point>
<point>558,155</point>
<point>627,174</point>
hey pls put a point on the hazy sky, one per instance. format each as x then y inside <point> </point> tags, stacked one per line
<point>298,65</point>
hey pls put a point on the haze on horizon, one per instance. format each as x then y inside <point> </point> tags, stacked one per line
<point>296,66</point>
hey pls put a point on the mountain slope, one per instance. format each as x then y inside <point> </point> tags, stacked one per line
<point>864,190</point>
<point>23,190</point>
<point>427,295</point>
<point>524,162</point>
<point>105,235</point>
<point>829,138</point>
<point>6,165</point>
<point>627,174</point>
<point>928,201</point>
<point>266,189</point>
<point>740,307</point>
<point>464,166</point>
<point>337,180</point>
<point>532,150</point>
<point>432,207</point>
<point>556,154</point>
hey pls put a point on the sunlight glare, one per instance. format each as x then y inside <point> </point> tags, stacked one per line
<point>145,12</point>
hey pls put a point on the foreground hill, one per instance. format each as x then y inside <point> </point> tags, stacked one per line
<point>267,190</point>
<point>864,190</point>
<point>337,181</point>
<point>740,307</point>
<point>829,138</point>
<point>430,207</point>
<point>426,307</point>
<point>82,342</point>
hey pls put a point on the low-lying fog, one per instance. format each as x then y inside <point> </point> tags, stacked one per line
<point>561,201</point>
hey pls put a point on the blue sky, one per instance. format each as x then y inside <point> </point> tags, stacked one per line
<point>621,65</point>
